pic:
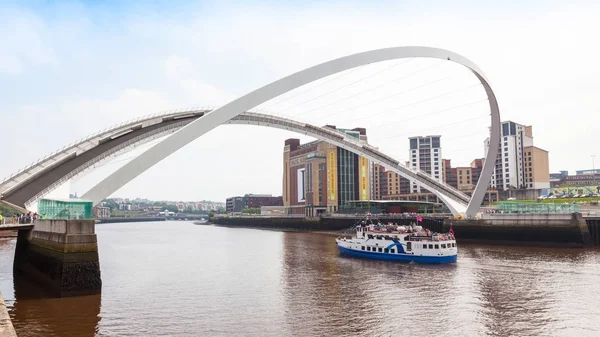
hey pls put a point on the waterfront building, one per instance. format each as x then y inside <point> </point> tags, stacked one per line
<point>234,204</point>
<point>386,183</point>
<point>259,200</point>
<point>319,177</point>
<point>581,179</point>
<point>237,204</point>
<point>519,164</point>
<point>463,178</point>
<point>101,212</point>
<point>425,154</point>
<point>583,172</point>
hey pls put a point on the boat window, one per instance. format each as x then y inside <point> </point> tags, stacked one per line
<point>392,250</point>
<point>362,247</point>
<point>453,244</point>
<point>385,250</point>
<point>380,249</point>
<point>424,246</point>
<point>443,245</point>
<point>368,248</point>
<point>430,246</point>
<point>408,246</point>
<point>370,236</point>
<point>387,237</point>
<point>437,246</point>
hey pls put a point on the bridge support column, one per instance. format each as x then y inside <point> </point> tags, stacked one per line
<point>61,255</point>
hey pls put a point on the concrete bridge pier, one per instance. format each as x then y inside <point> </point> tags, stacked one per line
<point>61,255</point>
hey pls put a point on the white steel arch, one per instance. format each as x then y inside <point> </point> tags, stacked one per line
<point>221,115</point>
<point>157,126</point>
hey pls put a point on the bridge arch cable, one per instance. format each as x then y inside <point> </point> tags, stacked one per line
<point>394,123</point>
<point>346,85</point>
<point>377,99</point>
<point>293,94</point>
<point>363,78</point>
<point>385,83</point>
<point>429,99</point>
<point>294,116</point>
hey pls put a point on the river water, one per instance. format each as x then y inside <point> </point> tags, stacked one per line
<point>181,279</point>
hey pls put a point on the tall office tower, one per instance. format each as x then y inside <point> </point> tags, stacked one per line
<point>519,164</point>
<point>426,155</point>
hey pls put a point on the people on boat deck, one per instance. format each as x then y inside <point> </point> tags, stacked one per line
<point>412,230</point>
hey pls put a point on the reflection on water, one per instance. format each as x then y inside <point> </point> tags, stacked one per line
<point>39,314</point>
<point>178,279</point>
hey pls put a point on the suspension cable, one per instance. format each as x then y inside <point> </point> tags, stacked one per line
<point>419,102</point>
<point>349,84</point>
<point>376,87</point>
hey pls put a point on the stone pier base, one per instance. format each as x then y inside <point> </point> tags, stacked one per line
<point>61,255</point>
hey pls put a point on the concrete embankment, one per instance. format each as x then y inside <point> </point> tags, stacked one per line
<point>130,219</point>
<point>538,229</point>
<point>149,219</point>
<point>325,223</point>
<point>6,326</point>
<point>279,223</point>
<point>521,229</point>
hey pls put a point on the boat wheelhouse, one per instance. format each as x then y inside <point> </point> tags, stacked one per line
<point>399,243</point>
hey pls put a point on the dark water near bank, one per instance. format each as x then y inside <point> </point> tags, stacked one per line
<point>179,279</point>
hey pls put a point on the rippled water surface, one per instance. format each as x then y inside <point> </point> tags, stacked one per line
<point>180,279</point>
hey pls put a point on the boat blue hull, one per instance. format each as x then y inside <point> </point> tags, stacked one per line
<point>397,257</point>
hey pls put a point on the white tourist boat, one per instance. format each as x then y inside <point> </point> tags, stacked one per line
<point>399,243</point>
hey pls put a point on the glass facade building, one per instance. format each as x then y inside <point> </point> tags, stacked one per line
<point>65,209</point>
<point>347,176</point>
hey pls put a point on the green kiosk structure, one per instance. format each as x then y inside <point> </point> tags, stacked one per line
<point>65,209</point>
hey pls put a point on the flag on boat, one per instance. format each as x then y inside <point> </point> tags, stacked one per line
<point>419,219</point>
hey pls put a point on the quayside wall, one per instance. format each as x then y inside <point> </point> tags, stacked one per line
<point>324,223</point>
<point>551,229</point>
<point>525,229</point>
<point>593,223</point>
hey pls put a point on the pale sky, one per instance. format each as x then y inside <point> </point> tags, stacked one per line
<point>69,70</point>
